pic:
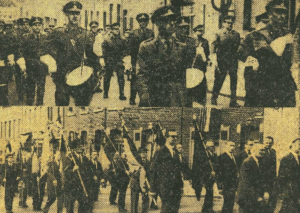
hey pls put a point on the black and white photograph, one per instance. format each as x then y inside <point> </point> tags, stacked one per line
<point>129,53</point>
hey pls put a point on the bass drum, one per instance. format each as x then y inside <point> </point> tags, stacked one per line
<point>81,78</point>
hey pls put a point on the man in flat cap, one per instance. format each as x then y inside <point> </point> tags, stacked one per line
<point>261,21</point>
<point>162,64</point>
<point>138,36</point>
<point>267,54</point>
<point>94,27</point>
<point>225,46</point>
<point>33,47</point>
<point>114,49</point>
<point>71,46</point>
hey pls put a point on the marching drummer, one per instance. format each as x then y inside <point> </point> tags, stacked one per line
<point>72,47</point>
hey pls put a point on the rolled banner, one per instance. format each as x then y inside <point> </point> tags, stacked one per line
<point>193,77</point>
<point>50,62</point>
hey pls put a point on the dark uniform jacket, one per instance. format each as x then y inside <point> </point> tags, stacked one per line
<point>33,47</point>
<point>275,84</point>
<point>241,157</point>
<point>227,172</point>
<point>162,73</point>
<point>98,172</point>
<point>117,171</point>
<point>114,49</point>
<point>251,185</point>
<point>226,46</point>
<point>68,46</point>
<point>289,175</point>
<point>165,173</point>
<point>138,36</point>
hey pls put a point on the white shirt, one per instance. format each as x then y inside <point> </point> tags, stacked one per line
<point>170,149</point>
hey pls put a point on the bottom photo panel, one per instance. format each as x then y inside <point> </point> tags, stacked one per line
<point>83,159</point>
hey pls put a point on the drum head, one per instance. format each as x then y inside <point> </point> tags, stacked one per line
<point>79,76</point>
<point>193,77</point>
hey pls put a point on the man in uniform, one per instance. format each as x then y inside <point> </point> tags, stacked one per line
<point>10,180</point>
<point>15,42</point>
<point>162,63</point>
<point>267,54</point>
<point>138,36</point>
<point>227,174</point>
<point>72,47</point>
<point>94,27</point>
<point>114,50</point>
<point>201,61</point>
<point>226,46</point>
<point>34,46</point>
<point>165,171</point>
<point>245,153</point>
<point>288,175</point>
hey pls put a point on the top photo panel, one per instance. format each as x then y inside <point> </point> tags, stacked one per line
<point>158,53</point>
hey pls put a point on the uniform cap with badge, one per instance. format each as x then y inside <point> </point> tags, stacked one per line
<point>35,20</point>
<point>72,6</point>
<point>276,5</point>
<point>164,13</point>
<point>182,21</point>
<point>22,21</point>
<point>142,17</point>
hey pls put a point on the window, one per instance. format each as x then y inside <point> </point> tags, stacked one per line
<point>98,138</point>
<point>86,19</point>
<point>191,146</point>
<point>5,128</point>
<point>224,133</point>
<point>92,14</point>
<point>137,138</point>
<point>47,20</point>
<point>118,13</point>
<point>104,20</point>
<point>71,137</point>
<point>50,114</point>
<point>9,129</point>
<point>111,7</point>
<point>97,16</point>
<point>131,23</point>
<point>124,20</point>
<point>83,137</point>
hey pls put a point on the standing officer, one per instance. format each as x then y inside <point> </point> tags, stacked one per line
<point>226,46</point>
<point>10,179</point>
<point>245,153</point>
<point>267,54</point>
<point>15,42</point>
<point>162,63</point>
<point>26,176</point>
<point>198,93</point>
<point>227,173</point>
<point>114,50</point>
<point>166,176</point>
<point>288,176</point>
<point>71,46</point>
<point>138,36</point>
<point>4,74</point>
<point>33,48</point>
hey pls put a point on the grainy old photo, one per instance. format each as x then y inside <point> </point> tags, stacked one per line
<point>149,106</point>
<point>60,159</point>
<point>159,53</point>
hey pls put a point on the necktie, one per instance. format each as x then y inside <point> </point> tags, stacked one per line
<point>168,44</point>
<point>232,156</point>
<point>95,163</point>
<point>249,152</point>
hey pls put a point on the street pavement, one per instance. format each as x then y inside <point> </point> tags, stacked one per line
<point>188,203</point>
<point>114,102</point>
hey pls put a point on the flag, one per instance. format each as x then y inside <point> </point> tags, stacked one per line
<point>199,159</point>
<point>131,145</point>
<point>108,147</point>
<point>104,161</point>
<point>160,138</point>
